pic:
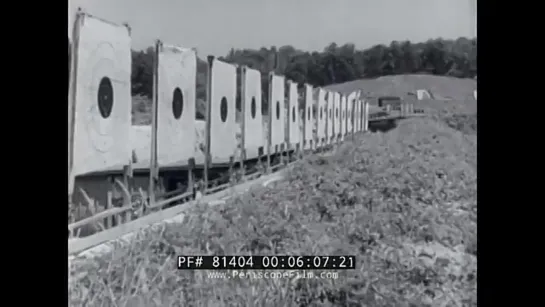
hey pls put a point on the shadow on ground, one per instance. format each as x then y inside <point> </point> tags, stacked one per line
<point>383,126</point>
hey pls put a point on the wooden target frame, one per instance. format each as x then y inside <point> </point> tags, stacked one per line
<point>173,119</point>
<point>358,112</point>
<point>309,120</point>
<point>343,117</point>
<point>176,72</point>
<point>321,114</point>
<point>350,102</point>
<point>252,137</point>
<point>222,126</point>
<point>276,113</point>
<point>365,120</point>
<point>330,123</point>
<point>293,116</point>
<point>336,117</point>
<point>99,111</point>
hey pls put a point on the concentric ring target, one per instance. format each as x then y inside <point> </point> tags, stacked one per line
<point>99,120</point>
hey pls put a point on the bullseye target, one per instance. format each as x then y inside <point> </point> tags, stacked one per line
<point>223,126</point>
<point>176,83</point>
<point>330,120</point>
<point>321,118</point>
<point>343,117</point>
<point>293,119</point>
<point>253,120</point>
<point>102,95</point>
<point>309,118</point>
<point>276,103</point>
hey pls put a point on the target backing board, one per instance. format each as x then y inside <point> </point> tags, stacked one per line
<point>223,126</point>
<point>330,121</point>
<point>253,119</point>
<point>102,122</point>
<point>276,111</point>
<point>337,115</point>
<point>176,83</point>
<point>293,120</point>
<point>309,118</point>
<point>350,101</point>
<point>343,117</point>
<point>322,118</point>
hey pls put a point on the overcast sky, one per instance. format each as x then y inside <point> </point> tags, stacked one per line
<point>214,26</point>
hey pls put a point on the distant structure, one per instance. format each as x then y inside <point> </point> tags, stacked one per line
<point>423,94</point>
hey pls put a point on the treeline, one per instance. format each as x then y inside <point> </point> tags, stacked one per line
<point>335,64</point>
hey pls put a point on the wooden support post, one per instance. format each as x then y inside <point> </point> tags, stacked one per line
<point>72,101</point>
<point>232,178</point>
<point>269,124</point>
<point>190,177</point>
<point>365,116</point>
<point>109,221</point>
<point>153,172</point>
<point>242,78</point>
<point>127,201</point>
<point>207,156</point>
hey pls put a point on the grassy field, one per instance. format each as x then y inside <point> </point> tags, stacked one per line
<point>404,202</point>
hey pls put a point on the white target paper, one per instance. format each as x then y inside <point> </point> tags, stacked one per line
<point>223,126</point>
<point>103,96</point>
<point>330,120</point>
<point>344,119</point>
<point>337,115</point>
<point>309,118</point>
<point>177,68</point>
<point>293,120</point>
<point>253,119</point>
<point>276,111</point>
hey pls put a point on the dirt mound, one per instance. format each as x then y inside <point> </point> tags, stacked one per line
<point>405,86</point>
<point>403,202</point>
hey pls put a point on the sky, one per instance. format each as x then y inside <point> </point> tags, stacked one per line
<point>215,26</point>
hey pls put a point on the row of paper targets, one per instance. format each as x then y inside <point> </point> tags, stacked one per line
<point>101,95</point>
